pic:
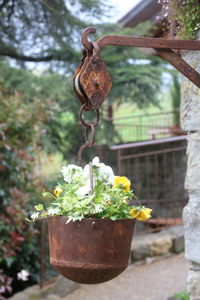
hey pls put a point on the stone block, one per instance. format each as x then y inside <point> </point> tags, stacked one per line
<point>63,287</point>
<point>150,245</point>
<point>178,244</point>
<point>192,182</point>
<point>29,293</point>
<point>139,249</point>
<point>190,99</point>
<point>178,241</point>
<point>52,297</point>
<point>191,216</point>
<point>193,282</point>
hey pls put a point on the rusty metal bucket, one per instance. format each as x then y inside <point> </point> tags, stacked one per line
<point>90,251</point>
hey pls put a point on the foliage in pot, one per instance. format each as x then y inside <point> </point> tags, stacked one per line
<point>90,232</point>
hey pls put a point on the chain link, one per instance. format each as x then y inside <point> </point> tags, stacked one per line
<point>89,126</point>
<point>88,145</point>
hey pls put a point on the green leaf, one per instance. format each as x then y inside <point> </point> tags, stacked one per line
<point>30,221</point>
<point>44,214</point>
<point>9,261</point>
<point>113,218</point>
<point>39,207</point>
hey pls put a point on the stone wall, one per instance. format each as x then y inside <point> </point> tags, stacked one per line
<point>190,121</point>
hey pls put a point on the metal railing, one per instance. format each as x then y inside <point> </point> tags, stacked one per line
<point>147,126</point>
<point>157,171</point>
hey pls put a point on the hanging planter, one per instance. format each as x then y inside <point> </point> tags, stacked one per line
<point>92,250</point>
<point>91,223</point>
<point>90,218</point>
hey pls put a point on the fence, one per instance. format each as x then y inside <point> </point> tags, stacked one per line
<point>148,126</point>
<point>157,172</point>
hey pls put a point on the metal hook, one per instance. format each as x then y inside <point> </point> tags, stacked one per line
<point>84,39</point>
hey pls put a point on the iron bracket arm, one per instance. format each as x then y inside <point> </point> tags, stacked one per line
<point>162,47</point>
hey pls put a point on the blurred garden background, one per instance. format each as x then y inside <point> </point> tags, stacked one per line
<point>39,129</point>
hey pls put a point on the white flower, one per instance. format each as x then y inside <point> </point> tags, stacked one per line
<point>35,215</point>
<point>72,173</point>
<point>53,211</point>
<point>83,190</point>
<point>86,172</point>
<point>106,173</point>
<point>96,162</point>
<point>23,275</point>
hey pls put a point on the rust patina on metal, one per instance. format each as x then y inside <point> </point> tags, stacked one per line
<point>92,81</point>
<point>90,251</point>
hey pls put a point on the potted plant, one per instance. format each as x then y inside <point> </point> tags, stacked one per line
<point>90,233</point>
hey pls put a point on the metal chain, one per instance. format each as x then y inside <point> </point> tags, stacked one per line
<point>86,124</point>
<point>89,126</point>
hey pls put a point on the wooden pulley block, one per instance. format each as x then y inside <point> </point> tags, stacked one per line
<point>92,82</point>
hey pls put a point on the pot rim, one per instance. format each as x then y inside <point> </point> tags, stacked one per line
<point>94,219</point>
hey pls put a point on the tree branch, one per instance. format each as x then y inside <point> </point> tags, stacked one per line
<point>59,55</point>
<point>13,54</point>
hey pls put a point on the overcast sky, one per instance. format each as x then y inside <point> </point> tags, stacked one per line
<point>122,7</point>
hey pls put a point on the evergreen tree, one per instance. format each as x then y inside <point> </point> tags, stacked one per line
<point>45,30</point>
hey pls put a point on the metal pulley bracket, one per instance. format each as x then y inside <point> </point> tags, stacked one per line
<point>165,48</point>
<point>92,82</point>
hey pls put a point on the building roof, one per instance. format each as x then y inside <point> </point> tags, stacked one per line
<point>145,10</point>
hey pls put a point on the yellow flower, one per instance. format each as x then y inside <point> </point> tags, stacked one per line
<point>141,214</point>
<point>123,181</point>
<point>58,190</point>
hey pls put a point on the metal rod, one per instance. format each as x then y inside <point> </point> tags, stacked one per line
<point>152,153</point>
<point>42,249</point>
<point>172,112</point>
<point>183,67</point>
<point>147,42</point>
<point>149,143</point>
<point>91,178</point>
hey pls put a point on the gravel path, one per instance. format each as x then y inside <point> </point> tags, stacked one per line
<point>155,281</point>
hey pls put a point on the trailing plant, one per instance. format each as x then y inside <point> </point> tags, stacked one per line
<point>75,199</point>
<point>184,15</point>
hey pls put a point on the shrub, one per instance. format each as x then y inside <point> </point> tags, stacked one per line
<point>20,133</point>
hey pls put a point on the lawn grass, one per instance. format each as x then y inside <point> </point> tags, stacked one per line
<point>133,128</point>
<point>128,109</point>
